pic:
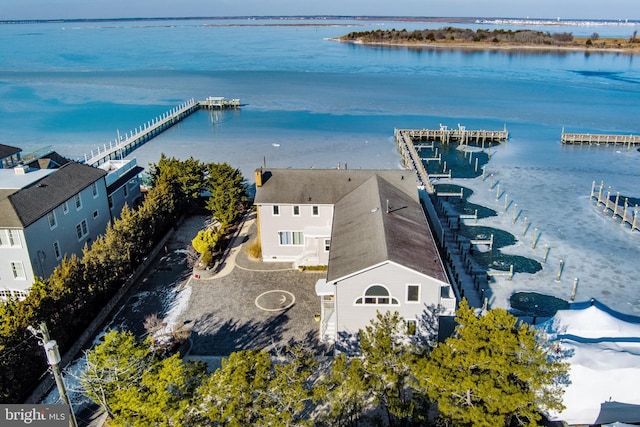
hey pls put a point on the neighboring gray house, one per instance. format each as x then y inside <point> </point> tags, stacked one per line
<point>123,184</point>
<point>9,156</point>
<point>46,214</point>
<point>368,227</point>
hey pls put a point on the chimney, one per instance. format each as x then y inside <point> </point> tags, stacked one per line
<point>259,177</point>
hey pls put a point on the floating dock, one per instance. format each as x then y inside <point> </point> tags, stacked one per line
<point>125,144</point>
<point>599,139</point>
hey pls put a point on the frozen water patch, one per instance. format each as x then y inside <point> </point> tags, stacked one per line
<point>593,248</point>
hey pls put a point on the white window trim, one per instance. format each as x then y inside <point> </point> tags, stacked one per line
<point>293,210</point>
<point>275,208</point>
<point>94,190</point>
<point>292,232</point>
<point>77,200</point>
<point>14,270</point>
<point>65,207</point>
<point>327,247</point>
<point>315,208</point>
<point>57,253</point>
<point>82,229</point>
<point>419,293</point>
<point>363,296</point>
<point>16,236</point>
<point>50,215</point>
<point>96,214</point>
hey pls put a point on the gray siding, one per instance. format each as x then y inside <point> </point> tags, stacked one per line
<point>352,317</point>
<point>9,254</point>
<point>40,237</point>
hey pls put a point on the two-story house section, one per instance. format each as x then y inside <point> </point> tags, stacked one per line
<point>46,214</point>
<point>369,229</point>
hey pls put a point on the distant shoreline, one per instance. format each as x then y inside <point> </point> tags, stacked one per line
<point>479,20</point>
<point>475,46</point>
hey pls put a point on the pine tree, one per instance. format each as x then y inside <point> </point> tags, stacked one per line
<point>228,397</point>
<point>492,372</point>
<point>344,392</point>
<point>389,358</point>
<point>136,387</point>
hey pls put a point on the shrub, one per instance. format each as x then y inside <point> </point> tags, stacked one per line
<point>207,259</point>
<point>254,249</point>
<point>206,240</point>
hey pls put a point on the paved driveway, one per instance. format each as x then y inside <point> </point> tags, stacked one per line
<point>223,313</point>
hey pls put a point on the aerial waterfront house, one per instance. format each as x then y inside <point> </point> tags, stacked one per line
<point>51,207</point>
<point>368,228</point>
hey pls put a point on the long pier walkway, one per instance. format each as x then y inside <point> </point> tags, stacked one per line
<point>412,159</point>
<point>469,279</point>
<point>599,139</point>
<point>125,144</point>
<point>626,215</point>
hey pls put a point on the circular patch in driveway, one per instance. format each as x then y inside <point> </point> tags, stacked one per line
<point>275,300</point>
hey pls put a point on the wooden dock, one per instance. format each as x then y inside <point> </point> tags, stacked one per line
<point>627,216</point>
<point>219,103</point>
<point>408,139</point>
<point>412,159</point>
<point>461,135</point>
<point>599,139</point>
<point>125,144</point>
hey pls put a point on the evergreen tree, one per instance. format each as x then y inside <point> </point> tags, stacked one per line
<point>389,358</point>
<point>187,176</point>
<point>115,364</point>
<point>492,372</point>
<point>251,390</point>
<point>229,396</point>
<point>344,391</point>
<point>136,387</point>
<point>228,193</point>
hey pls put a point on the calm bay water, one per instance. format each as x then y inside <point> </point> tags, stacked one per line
<point>312,102</point>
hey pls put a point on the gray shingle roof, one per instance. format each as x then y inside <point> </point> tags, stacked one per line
<point>8,216</point>
<point>8,150</point>
<point>323,186</point>
<point>365,234</point>
<point>37,200</point>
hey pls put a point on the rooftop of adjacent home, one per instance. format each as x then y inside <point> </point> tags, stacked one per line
<point>30,194</point>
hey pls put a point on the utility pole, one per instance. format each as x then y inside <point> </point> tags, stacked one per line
<point>53,359</point>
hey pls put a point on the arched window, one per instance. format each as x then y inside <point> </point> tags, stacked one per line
<point>377,295</point>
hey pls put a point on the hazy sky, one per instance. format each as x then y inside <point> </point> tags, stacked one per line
<point>565,9</point>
